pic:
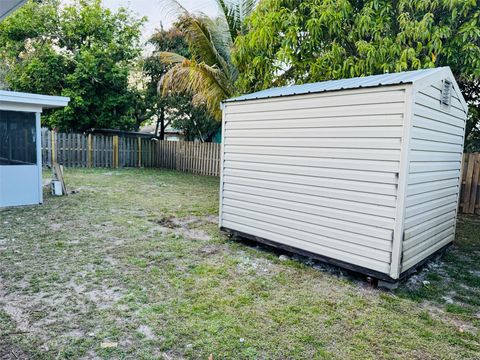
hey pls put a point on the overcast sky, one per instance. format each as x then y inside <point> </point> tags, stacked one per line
<point>157,12</point>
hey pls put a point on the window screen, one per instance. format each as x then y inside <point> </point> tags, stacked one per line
<point>17,138</point>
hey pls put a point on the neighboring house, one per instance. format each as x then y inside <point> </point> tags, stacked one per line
<point>121,133</point>
<point>215,136</point>
<point>171,134</point>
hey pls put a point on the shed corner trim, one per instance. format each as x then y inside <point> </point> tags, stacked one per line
<point>397,243</point>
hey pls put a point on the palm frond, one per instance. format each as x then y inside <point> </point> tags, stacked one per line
<point>210,75</point>
<point>169,58</point>
<point>198,36</point>
<point>173,8</point>
<point>235,12</point>
<point>203,37</point>
<point>184,17</point>
<point>229,14</point>
<point>245,8</point>
<point>207,84</point>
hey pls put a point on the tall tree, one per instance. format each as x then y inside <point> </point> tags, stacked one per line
<point>172,108</point>
<point>208,74</point>
<point>80,50</point>
<point>154,68</point>
<point>293,42</point>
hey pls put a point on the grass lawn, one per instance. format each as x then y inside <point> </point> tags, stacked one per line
<point>133,266</point>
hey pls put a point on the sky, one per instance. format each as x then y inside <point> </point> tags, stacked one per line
<point>157,12</point>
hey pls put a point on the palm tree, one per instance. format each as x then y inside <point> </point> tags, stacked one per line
<point>209,74</point>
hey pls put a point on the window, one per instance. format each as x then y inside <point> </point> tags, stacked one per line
<point>18,142</point>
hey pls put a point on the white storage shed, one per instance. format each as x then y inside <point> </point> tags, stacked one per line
<point>20,146</point>
<point>363,173</point>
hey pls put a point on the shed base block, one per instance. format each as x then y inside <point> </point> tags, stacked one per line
<point>384,280</point>
<point>388,285</point>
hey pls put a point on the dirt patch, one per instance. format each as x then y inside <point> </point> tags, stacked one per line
<point>439,314</point>
<point>189,227</point>
<point>18,316</point>
<point>165,222</point>
<point>420,279</point>
<point>171,355</point>
<point>10,351</point>
<point>307,261</point>
<point>41,313</point>
<point>56,227</point>
<point>194,234</point>
<point>86,188</point>
<point>147,332</point>
<point>211,249</point>
<point>91,355</point>
<point>194,221</point>
<point>105,297</point>
<point>188,221</point>
<point>256,265</point>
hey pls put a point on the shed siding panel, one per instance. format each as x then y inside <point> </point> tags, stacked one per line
<point>318,172</point>
<point>364,188</point>
<point>434,169</point>
<point>351,99</point>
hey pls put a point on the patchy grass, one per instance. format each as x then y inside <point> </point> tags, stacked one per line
<point>453,282</point>
<point>133,266</point>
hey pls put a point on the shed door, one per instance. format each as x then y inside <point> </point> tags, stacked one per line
<point>19,176</point>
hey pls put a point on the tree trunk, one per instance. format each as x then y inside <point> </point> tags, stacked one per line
<point>156,127</point>
<point>161,124</point>
<point>162,133</point>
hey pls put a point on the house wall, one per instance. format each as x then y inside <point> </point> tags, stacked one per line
<point>317,172</point>
<point>19,185</point>
<point>22,184</point>
<point>436,148</point>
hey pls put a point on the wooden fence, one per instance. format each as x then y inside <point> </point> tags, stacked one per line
<point>78,150</point>
<point>113,151</point>
<point>470,194</point>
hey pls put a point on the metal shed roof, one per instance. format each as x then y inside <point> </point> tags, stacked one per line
<point>343,84</point>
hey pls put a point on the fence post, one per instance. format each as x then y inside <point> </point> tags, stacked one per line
<point>139,140</point>
<point>475,175</point>
<point>177,156</point>
<point>90,151</point>
<point>54,148</point>
<point>115,151</point>
<point>468,183</point>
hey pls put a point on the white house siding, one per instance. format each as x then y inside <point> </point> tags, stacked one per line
<point>436,149</point>
<point>317,172</point>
